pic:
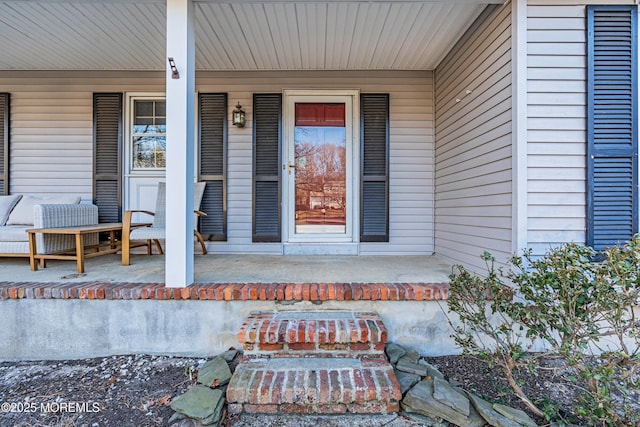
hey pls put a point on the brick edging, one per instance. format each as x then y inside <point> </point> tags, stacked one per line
<point>228,291</point>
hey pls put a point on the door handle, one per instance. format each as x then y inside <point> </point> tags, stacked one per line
<point>291,166</point>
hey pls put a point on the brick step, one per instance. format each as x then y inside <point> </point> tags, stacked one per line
<point>322,334</point>
<point>313,385</point>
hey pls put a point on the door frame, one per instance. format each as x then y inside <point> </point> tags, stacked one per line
<point>351,99</point>
<point>128,175</point>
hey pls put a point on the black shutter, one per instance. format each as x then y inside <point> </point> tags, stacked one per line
<point>266,167</point>
<point>612,125</point>
<point>107,140</point>
<point>374,219</point>
<point>212,113</point>
<point>4,143</point>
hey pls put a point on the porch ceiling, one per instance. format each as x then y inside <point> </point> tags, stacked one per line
<point>234,35</point>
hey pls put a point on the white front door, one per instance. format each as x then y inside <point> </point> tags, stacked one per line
<point>319,167</point>
<point>145,151</point>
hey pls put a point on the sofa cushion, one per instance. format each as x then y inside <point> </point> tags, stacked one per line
<point>22,214</point>
<point>14,233</point>
<point>7,203</point>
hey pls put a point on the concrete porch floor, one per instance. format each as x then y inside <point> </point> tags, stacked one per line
<point>216,268</point>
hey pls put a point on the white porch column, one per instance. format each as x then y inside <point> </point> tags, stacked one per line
<point>180,143</point>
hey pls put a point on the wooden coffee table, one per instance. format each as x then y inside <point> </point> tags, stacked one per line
<point>81,252</point>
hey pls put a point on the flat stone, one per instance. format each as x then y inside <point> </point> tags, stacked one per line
<point>411,355</point>
<point>451,397</point>
<point>514,414</point>
<point>423,419</point>
<point>405,364</point>
<point>201,403</point>
<point>214,373</point>
<point>229,355</point>
<point>432,371</point>
<point>406,380</point>
<point>179,420</point>
<point>394,352</point>
<point>420,399</point>
<point>493,417</point>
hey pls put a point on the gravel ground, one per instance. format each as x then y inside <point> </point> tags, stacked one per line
<point>136,390</point>
<point>123,391</point>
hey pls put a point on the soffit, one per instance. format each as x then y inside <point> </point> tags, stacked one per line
<point>241,35</point>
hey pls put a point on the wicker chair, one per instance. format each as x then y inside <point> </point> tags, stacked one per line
<point>133,236</point>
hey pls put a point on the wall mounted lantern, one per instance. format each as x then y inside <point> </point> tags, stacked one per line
<point>238,118</point>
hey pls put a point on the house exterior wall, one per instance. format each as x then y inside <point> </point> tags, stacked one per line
<point>51,140</point>
<point>473,187</point>
<point>556,117</point>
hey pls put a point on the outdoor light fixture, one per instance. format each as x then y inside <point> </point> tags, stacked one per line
<point>238,116</point>
<point>174,70</point>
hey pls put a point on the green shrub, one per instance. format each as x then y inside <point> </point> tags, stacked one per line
<point>576,307</point>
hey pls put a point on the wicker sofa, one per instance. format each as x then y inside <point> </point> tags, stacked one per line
<point>18,213</point>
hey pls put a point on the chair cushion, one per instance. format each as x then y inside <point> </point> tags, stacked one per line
<point>13,233</point>
<point>7,203</point>
<point>22,214</point>
<point>146,233</point>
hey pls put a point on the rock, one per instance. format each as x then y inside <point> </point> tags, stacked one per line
<point>451,397</point>
<point>229,355</point>
<point>406,365</point>
<point>200,403</point>
<point>432,371</point>
<point>411,355</point>
<point>423,419</point>
<point>214,373</point>
<point>485,409</point>
<point>394,352</point>
<point>406,380</point>
<point>179,420</point>
<point>515,415</point>
<point>420,399</point>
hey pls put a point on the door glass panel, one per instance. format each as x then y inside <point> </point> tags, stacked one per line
<point>148,135</point>
<point>320,179</point>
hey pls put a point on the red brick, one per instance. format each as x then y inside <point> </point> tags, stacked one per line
<point>297,292</point>
<point>325,392</point>
<point>288,293</point>
<point>260,409</point>
<point>311,335</point>
<point>302,331</point>
<point>254,387</point>
<point>348,292</point>
<point>336,386</point>
<point>299,346</point>
<point>278,386</point>
<point>371,385</point>
<point>312,387</point>
<point>313,294</point>
<point>331,291</point>
<point>393,292</point>
<point>306,291</point>
<point>322,331</point>
<point>289,386</point>
<point>272,333</point>
<point>334,408</point>
<point>384,292</point>
<point>288,408</point>
<point>265,387</point>
<point>340,291</point>
<point>322,291</point>
<point>369,408</point>
<point>270,347</point>
<point>280,292</point>
<point>364,331</point>
<point>359,346</point>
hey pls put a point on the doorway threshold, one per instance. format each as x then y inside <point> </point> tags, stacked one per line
<point>320,249</point>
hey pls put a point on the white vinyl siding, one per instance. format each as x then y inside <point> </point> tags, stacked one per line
<point>52,125</point>
<point>410,162</point>
<point>473,143</point>
<point>557,138</point>
<point>52,148</point>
